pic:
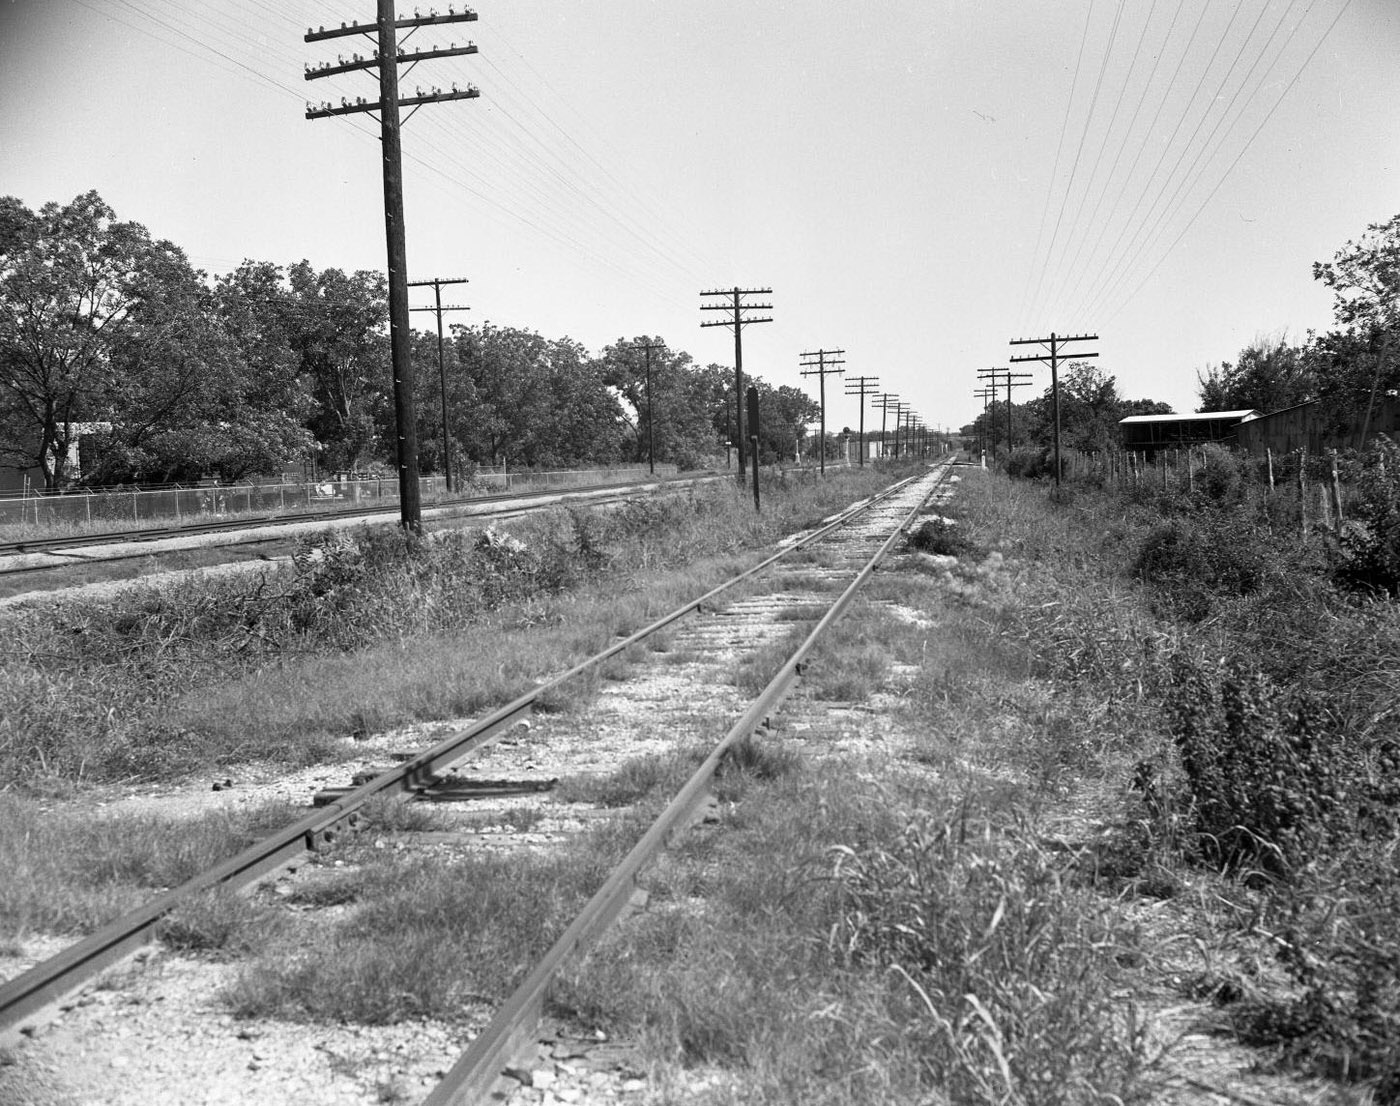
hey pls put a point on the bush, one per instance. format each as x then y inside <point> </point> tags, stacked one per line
<point>1030,462</point>
<point>1370,541</point>
<point>1267,782</point>
<point>942,537</point>
<point>1192,561</point>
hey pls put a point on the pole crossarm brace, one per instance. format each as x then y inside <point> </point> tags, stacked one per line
<point>347,107</point>
<point>320,34</point>
<point>1052,356</point>
<point>372,61</point>
<point>734,304</point>
<point>387,57</point>
<point>819,363</point>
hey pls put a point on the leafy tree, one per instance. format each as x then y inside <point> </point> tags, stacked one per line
<point>784,413</point>
<point>205,381</point>
<point>684,399</point>
<point>540,402</point>
<point>1357,364</point>
<point>1090,409</point>
<point>71,279</point>
<point>337,325</point>
<point>1269,376</point>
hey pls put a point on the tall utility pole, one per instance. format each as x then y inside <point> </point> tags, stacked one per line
<point>992,378</point>
<point>885,401</point>
<point>651,438</point>
<point>984,394</point>
<point>818,363</point>
<point>1013,380</point>
<point>436,283</point>
<point>1052,345</point>
<point>864,386</point>
<point>901,423</point>
<point>736,308</point>
<point>387,59</point>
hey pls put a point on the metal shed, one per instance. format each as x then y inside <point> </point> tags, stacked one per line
<point>1149,433</point>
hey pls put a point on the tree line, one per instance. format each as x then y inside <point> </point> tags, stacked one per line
<point>111,336</point>
<point>1348,368</point>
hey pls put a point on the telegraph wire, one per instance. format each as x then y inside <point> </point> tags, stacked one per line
<point>1154,224</point>
<point>1238,157</point>
<point>1055,170</point>
<point>1154,232</point>
<point>1074,168</point>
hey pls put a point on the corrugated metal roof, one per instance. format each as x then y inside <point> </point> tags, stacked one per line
<point>1198,416</point>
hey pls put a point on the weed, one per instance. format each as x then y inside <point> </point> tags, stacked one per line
<point>219,920</point>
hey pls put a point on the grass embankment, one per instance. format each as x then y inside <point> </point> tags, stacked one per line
<point>364,631</point>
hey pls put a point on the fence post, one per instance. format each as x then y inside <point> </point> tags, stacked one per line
<point>1303,491</point>
<point>1336,491</point>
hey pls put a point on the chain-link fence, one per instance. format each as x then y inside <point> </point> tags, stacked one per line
<point>134,508</point>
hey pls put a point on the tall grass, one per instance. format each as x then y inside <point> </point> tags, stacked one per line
<point>144,685</point>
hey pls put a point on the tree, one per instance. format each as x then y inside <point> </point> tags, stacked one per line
<point>205,382</point>
<point>1365,280</point>
<point>684,400</point>
<point>1269,376</point>
<point>337,327</point>
<point>71,278</point>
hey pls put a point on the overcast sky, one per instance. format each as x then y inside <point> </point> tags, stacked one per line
<point>918,182</point>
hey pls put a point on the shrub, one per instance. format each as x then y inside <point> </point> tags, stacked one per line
<point>940,536</point>
<point>1191,562</point>
<point>1030,462</point>
<point>1267,781</point>
<point>1370,541</point>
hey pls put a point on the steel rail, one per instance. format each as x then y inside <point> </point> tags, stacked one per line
<point>510,1033</point>
<point>253,522</point>
<point>28,995</point>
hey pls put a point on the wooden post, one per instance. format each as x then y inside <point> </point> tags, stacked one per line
<point>1336,491</point>
<point>1269,453</point>
<point>1303,491</point>
<point>1190,471</point>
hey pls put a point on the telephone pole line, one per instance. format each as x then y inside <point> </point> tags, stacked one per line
<point>825,362</point>
<point>1052,357</point>
<point>736,308</point>
<point>387,59</point>
<point>438,308</point>
<point>651,440</point>
<point>864,386</point>
<point>884,401</point>
<point>1010,380</point>
<point>984,394</point>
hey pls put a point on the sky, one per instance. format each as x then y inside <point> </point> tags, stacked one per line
<point>917,181</point>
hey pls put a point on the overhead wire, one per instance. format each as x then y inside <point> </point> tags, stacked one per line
<point>1153,232</point>
<point>1079,151</point>
<point>1231,167</point>
<point>1168,146</point>
<point>1074,234</point>
<point>1055,169</point>
<point>642,261</point>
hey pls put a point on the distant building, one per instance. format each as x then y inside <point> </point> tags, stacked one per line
<point>1149,433</point>
<point>1312,428</point>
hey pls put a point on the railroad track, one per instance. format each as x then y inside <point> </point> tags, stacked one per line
<point>853,543</point>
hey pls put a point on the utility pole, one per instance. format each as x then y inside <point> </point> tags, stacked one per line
<point>992,377</point>
<point>884,401</point>
<point>438,308</point>
<point>736,308</point>
<point>1052,345</point>
<point>1013,380</point>
<point>864,386</point>
<point>984,394</point>
<point>651,438</point>
<point>901,424</point>
<point>826,362</point>
<point>387,59</point>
